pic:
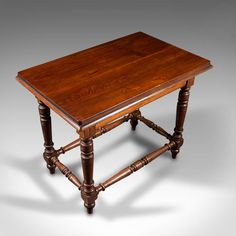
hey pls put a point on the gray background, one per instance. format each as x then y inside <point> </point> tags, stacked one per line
<point>194,195</point>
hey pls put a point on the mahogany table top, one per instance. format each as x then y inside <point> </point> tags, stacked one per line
<point>95,83</point>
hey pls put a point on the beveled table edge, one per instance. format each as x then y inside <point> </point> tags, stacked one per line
<point>57,109</point>
<point>119,109</point>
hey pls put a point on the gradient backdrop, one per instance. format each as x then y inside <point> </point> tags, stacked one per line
<point>193,195</point>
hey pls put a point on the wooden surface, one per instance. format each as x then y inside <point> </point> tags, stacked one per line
<point>88,86</point>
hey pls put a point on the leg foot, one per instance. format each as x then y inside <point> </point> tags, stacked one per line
<point>51,169</point>
<point>133,123</point>
<point>174,153</point>
<point>89,207</point>
<point>90,210</point>
<point>134,119</point>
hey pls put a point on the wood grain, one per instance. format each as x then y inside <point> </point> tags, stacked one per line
<point>88,86</point>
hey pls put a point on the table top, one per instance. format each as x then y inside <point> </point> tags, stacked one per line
<point>89,85</point>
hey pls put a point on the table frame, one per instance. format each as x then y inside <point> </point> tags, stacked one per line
<point>89,192</point>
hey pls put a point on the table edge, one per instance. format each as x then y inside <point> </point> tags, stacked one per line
<point>112,111</point>
<point>53,106</point>
<point>143,96</point>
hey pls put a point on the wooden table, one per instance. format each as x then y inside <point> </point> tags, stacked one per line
<point>97,89</point>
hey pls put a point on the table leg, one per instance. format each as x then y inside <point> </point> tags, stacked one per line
<point>88,191</point>
<point>134,119</point>
<point>182,106</point>
<point>45,119</point>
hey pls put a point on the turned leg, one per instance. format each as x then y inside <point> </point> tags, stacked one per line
<point>88,191</point>
<point>45,119</point>
<point>180,117</point>
<point>134,119</point>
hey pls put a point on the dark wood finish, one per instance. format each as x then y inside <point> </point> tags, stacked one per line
<point>111,126</point>
<point>134,119</point>
<point>99,132</point>
<point>66,171</point>
<point>154,126</point>
<point>100,88</point>
<point>88,191</point>
<point>45,119</point>
<point>138,104</point>
<point>134,167</point>
<point>181,111</point>
<point>68,147</point>
<point>87,86</point>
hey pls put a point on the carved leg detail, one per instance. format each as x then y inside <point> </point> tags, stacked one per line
<point>182,106</point>
<point>134,119</point>
<point>45,119</point>
<point>88,191</point>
